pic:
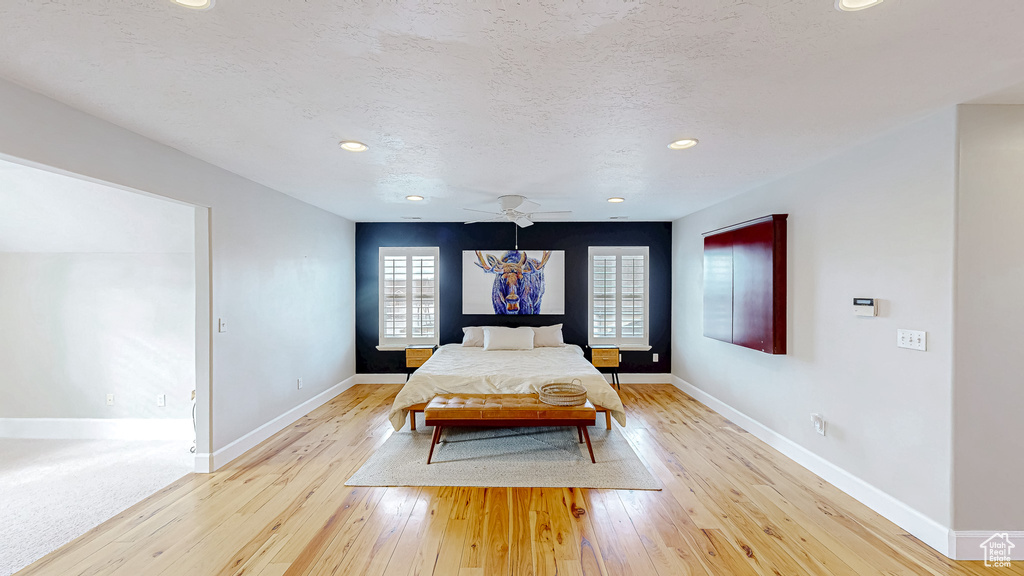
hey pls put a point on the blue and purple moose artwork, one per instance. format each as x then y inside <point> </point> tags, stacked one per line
<point>518,281</point>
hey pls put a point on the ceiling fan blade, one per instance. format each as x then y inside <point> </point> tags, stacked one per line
<point>544,215</point>
<point>483,211</point>
<point>499,219</point>
<point>523,221</point>
<point>527,206</point>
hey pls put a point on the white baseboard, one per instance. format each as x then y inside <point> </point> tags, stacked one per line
<point>204,463</point>
<point>966,544</point>
<point>924,528</point>
<point>242,445</point>
<point>624,378</point>
<point>638,378</point>
<point>97,428</point>
<point>396,378</point>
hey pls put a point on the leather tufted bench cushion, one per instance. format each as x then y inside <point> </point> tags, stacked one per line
<point>505,410</point>
<point>503,406</point>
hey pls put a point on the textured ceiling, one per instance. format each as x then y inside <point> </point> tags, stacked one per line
<point>567,103</point>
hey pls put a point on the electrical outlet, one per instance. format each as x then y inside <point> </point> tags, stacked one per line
<point>161,400</point>
<point>222,325</point>
<point>655,357</point>
<point>819,423</point>
<point>298,382</point>
<point>110,399</point>
<point>912,339</point>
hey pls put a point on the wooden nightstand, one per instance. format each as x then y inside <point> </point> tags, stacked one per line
<point>415,356</point>
<point>607,357</point>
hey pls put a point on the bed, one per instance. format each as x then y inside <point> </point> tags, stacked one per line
<point>457,369</point>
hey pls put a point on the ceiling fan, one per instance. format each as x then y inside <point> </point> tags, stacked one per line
<point>518,209</point>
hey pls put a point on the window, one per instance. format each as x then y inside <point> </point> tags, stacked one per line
<point>618,296</point>
<point>408,296</point>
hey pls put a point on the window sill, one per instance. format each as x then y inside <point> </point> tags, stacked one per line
<point>400,347</point>
<point>624,347</point>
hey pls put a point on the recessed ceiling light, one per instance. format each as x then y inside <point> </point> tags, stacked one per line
<point>414,197</point>
<point>683,144</point>
<point>616,200</point>
<point>353,146</point>
<point>854,5</point>
<point>195,4</point>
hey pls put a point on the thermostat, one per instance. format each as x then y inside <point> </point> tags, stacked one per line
<point>864,307</point>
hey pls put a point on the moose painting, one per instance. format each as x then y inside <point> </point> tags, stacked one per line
<point>513,282</point>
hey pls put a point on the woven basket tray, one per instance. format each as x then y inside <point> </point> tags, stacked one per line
<point>564,393</point>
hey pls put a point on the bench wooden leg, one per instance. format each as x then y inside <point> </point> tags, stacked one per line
<point>579,430</point>
<point>433,442</point>
<point>412,420</point>
<point>608,418</point>
<point>589,447</point>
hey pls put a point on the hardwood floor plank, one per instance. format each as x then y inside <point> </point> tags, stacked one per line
<point>496,525</point>
<point>621,547</point>
<point>420,542</point>
<point>369,551</point>
<point>731,506</point>
<point>520,540</point>
<point>591,560</point>
<point>473,553</point>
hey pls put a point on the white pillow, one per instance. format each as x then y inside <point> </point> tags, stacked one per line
<point>473,336</point>
<point>548,336</point>
<point>499,338</point>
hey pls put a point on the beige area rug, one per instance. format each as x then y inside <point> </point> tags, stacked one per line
<point>513,457</point>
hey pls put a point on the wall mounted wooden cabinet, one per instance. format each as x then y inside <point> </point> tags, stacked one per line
<point>745,284</point>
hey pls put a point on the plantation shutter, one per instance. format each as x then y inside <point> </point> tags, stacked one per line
<point>408,296</point>
<point>619,296</point>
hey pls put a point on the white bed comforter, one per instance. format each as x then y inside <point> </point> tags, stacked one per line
<point>455,369</point>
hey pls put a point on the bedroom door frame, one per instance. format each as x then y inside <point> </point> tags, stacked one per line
<point>203,312</point>
<point>204,342</point>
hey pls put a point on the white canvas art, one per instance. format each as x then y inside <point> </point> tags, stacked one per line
<point>513,282</point>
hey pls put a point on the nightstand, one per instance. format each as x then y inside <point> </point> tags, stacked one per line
<point>607,357</point>
<point>415,356</point>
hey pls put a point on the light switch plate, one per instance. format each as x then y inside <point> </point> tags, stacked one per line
<point>110,399</point>
<point>161,400</point>
<point>912,339</point>
<point>222,325</point>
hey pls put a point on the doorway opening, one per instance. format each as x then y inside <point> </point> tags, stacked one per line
<point>104,355</point>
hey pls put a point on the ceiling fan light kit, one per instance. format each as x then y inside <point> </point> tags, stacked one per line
<point>516,208</point>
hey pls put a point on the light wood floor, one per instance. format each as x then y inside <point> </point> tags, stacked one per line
<point>731,506</point>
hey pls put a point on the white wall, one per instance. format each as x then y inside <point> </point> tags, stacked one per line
<point>282,270</point>
<point>876,221</point>
<point>79,326</point>
<point>988,492</point>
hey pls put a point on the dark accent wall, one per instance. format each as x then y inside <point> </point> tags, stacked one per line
<point>453,238</point>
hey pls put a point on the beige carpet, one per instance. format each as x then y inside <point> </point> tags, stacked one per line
<point>513,457</point>
<point>53,491</point>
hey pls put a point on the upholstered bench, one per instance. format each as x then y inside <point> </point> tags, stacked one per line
<point>419,408</point>
<point>504,410</point>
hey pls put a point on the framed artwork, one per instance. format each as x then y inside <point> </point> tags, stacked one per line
<point>513,282</point>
